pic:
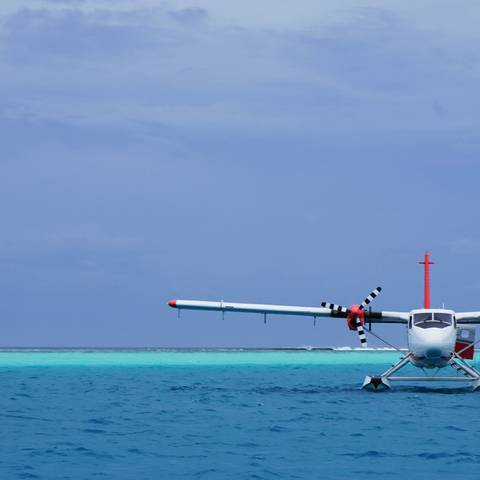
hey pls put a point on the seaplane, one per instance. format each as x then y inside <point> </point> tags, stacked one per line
<point>436,337</point>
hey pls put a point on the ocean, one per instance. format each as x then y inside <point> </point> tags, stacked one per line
<point>89,414</point>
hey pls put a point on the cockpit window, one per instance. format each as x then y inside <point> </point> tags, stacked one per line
<point>443,317</point>
<point>422,317</point>
<point>432,320</point>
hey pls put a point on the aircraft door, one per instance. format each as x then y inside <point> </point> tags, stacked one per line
<point>465,340</point>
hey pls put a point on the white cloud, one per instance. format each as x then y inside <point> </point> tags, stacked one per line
<point>216,65</point>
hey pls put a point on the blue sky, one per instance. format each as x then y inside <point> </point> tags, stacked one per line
<point>256,152</point>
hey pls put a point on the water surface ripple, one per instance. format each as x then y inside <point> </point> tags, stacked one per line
<point>223,417</point>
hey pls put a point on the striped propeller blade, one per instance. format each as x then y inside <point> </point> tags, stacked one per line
<point>373,294</point>
<point>361,333</point>
<point>334,307</point>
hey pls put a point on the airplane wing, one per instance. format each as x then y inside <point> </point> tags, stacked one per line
<point>467,317</point>
<point>371,316</point>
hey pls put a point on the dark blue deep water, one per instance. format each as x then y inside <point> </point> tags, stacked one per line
<point>216,420</point>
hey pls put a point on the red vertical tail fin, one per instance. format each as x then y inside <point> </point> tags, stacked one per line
<point>426,293</point>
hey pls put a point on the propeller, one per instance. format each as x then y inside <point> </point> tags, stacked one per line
<point>355,314</point>
<point>335,307</point>
<point>361,332</point>
<point>371,296</point>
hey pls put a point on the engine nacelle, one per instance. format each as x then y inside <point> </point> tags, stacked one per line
<point>355,312</point>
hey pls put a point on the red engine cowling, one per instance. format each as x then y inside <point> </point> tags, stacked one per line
<point>355,312</point>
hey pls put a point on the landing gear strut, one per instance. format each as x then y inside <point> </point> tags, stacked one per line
<point>382,382</point>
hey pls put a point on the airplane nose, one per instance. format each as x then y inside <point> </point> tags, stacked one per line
<point>433,353</point>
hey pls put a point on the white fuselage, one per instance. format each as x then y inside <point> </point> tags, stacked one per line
<point>431,337</point>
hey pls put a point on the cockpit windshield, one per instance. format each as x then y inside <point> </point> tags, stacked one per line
<point>432,320</point>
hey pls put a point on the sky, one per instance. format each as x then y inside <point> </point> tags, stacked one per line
<point>269,152</point>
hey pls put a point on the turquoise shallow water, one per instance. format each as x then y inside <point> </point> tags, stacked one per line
<point>217,415</point>
<point>164,358</point>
